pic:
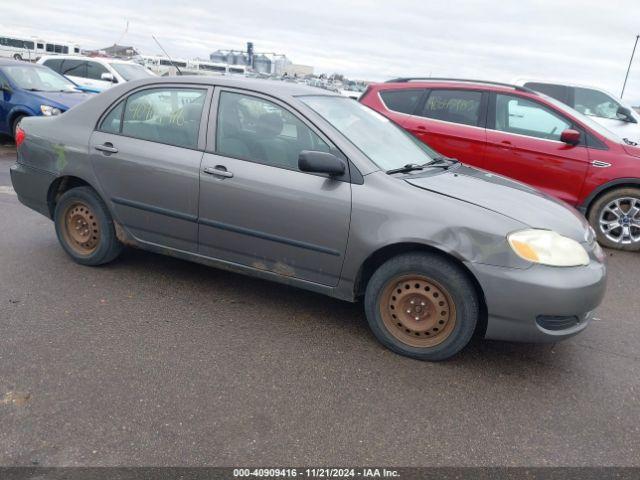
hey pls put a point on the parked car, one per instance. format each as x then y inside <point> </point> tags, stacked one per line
<point>527,136</point>
<point>306,187</point>
<point>95,73</point>
<point>604,107</point>
<point>32,90</point>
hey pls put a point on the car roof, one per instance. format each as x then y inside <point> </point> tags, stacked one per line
<point>408,83</point>
<point>269,87</point>
<point>7,62</point>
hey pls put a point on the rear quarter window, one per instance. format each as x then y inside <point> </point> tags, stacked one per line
<point>403,101</point>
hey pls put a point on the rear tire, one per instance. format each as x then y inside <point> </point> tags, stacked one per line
<point>422,305</point>
<point>615,216</point>
<point>85,228</point>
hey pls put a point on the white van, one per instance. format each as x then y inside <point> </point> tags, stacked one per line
<point>31,49</point>
<point>95,73</point>
<point>604,107</point>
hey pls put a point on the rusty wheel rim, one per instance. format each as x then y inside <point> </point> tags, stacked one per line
<point>81,229</point>
<point>417,310</point>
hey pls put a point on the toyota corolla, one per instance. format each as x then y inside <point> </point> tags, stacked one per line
<point>306,187</point>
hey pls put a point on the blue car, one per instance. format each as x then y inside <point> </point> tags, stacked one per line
<point>33,90</point>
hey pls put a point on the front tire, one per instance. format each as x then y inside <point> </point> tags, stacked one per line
<point>615,216</point>
<point>14,125</point>
<point>422,305</point>
<point>85,228</point>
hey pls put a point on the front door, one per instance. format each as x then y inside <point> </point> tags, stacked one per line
<point>524,144</point>
<point>146,155</point>
<point>256,208</point>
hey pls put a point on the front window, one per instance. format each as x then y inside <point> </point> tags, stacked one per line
<point>595,103</point>
<point>131,71</point>
<point>39,79</point>
<point>382,141</point>
<point>525,117</point>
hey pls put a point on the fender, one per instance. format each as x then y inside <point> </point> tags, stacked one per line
<point>633,181</point>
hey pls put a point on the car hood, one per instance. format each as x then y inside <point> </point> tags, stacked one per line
<point>507,197</point>
<point>62,100</point>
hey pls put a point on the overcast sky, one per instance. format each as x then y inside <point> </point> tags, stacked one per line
<point>581,41</point>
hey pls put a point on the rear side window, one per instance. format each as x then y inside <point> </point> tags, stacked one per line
<point>111,123</point>
<point>75,68</point>
<point>171,116</point>
<point>53,64</point>
<point>403,101</point>
<point>559,92</point>
<point>525,117</point>
<point>456,106</point>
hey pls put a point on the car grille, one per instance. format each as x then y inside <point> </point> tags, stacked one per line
<point>551,322</point>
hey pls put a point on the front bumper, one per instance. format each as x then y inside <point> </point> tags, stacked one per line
<point>32,187</point>
<point>518,299</point>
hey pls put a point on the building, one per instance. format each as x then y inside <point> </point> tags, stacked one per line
<point>119,51</point>
<point>296,70</point>
<point>264,63</point>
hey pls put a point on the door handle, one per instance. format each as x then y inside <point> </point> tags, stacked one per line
<point>107,148</point>
<point>218,171</point>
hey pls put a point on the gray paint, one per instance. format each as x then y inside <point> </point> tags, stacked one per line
<point>308,230</point>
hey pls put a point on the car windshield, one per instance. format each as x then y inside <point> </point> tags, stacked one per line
<point>41,79</point>
<point>131,71</point>
<point>386,144</point>
<point>589,122</point>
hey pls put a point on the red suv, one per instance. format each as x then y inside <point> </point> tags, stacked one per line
<point>528,136</point>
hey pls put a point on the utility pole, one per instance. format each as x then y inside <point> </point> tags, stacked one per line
<point>629,67</point>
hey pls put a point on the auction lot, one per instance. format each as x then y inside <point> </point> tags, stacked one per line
<point>156,361</point>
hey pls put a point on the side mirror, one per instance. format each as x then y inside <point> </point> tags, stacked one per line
<point>5,88</point>
<point>321,162</point>
<point>108,77</point>
<point>625,115</point>
<point>570,136</point>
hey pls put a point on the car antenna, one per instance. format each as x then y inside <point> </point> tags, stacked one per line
<point>165,52</point>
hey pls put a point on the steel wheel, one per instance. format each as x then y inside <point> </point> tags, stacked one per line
<point>417,311</point>
<point>81,229</point>
<point>620,220</point>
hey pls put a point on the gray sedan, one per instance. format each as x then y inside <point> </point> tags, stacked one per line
<point>309,188</point>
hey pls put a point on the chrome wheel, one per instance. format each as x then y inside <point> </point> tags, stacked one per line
<point>619,220</point>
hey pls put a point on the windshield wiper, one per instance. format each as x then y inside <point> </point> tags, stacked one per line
<point>442,162</point>
<point>409,167</point>
<point>630,142</point>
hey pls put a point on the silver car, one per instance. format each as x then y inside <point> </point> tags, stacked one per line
<point>309,188</point>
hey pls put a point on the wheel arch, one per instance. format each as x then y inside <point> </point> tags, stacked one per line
<point>61,185</point>
<point>381,255</point>
<point>628,182</point>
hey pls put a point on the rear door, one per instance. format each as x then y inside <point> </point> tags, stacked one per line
<point>523,142</point>
<point>452,122</point>
<point>256,207</point>
<point>146,154</point>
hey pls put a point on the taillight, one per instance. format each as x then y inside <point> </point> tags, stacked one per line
<point>20,136</point>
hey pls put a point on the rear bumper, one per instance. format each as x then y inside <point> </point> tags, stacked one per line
<point>32,186</point>
<point>540,304</point>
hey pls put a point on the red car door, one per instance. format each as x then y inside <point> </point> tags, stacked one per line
<point>452,122</point>
<point>523,142</point>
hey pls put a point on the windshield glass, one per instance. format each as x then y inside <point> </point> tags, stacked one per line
<point>40,79</point>
<point>386,144</point>
<point>131,71</point>
<point>589,122</point>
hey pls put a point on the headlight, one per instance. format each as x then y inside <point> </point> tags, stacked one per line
<point>548,248</point>
<point>49,111</point>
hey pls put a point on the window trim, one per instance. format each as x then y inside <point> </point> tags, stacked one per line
<point>200,146</point>
<point>352,174</point>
